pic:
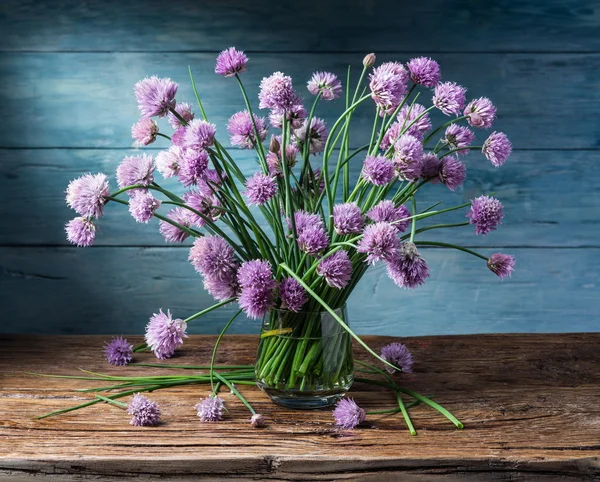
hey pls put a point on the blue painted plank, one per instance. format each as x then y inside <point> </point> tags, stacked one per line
<point>536,187</point>
<point>110,290</point>
<point>86,100</point>
<point>433,26</point>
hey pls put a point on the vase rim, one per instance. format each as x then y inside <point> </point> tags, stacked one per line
<point>302,312</point>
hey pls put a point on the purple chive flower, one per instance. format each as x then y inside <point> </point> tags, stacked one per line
<point>118,351</point>
<point>452,172</point>
<point>274,159</point>
<point>211,182</point>
<point>347,218</point>
<point>213,257</point>
<point>256,302</point>
<point>260,188</point>
<point>407,269</point>
<point>206,205</point>
<point>450,98</point>
<point>155,96</point>
<point>480,113</point>
<point>257,420</point>
<point>385,211</point>
<point>277,92</point>
<point>486,214</point>
<point>173,234</point>
<point>210,409</point>
<point>408,153</point>
<point>221,289</point>
<point>379,242</point>
<point>185,112</point>
<point>313,180</point>
<point>142,205</point>
<point>168,162</point>
<point>81,231</point>
<point>390,136</point>
<point>303,220</point>
<point>325,83</point>
<point>192,167</point>
<point>458,137</point>
<point>242,130</point>
<point>388,84</point>
<point>164,334</point>
<point>398,355</point>
<point>295,114</point>
<point>414,113</point>
<point>313,240</point>
<point>501,265</point>
<point>430,166</point>
<point>231,62</point>
<point>378,170</point>
<point>86,194</point>
<point>497,148</point>
<point>424,71</point>
<point>317,136</point>
<point>178,137</point>
<point>144,131</point>
<point>348,414</point>
<point>256,280</point>
<point>136,170</point>
<point>336,269</point>
<point>144,411</point>
<point>293,295</point>
<point>199,134</point>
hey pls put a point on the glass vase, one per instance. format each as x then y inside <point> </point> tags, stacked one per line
<point>304,359</point>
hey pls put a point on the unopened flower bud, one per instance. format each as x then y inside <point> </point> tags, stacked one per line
<point>274,146</point>
<point>369,60</point>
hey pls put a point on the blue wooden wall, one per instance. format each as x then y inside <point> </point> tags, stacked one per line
<point>67,69</point>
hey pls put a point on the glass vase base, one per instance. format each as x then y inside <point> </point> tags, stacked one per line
<point>302,400</point>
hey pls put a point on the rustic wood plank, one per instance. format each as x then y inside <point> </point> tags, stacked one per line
<point>85,100</point>
<point>108,290</point>
<point>536,188</point>
<point>455,25</point>
<point>528,402</point>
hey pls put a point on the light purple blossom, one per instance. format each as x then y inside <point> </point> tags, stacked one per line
<point>497,148</point>
<point>136,170</point>
<point>145,412</point>
<point>211,182</point>
<point>348,414</point>
<point>242,130</point>
<point>164,334</point>
<point>155,96</point>
<point>293,295</point>
<point>378,170</point>
<point>325,83</point>
<point>424,71</point>
<point>398,355</point>
<point>407,268</point>
<point>388,84</point>
<point>178,137</point>
<point>118,351</point>
<point>408,153</point>
<point>458,137</point>
<point>313,240</point>
<point>295,114</point>
<point>430,166</point>
<point>199,134</point>
<point>317,135</point>
<point>386,211</point>
<point>336,269</point>
<point>379,242</point>
<point>257,420</point>
<point>452,172</point>
<point>256,302</point>
<point>501,265</point>
<point>174,234</point>
<point>390,136</point>
<point>414,113</point>
<point>86,194</point>
<point>185,112</point>
<point>221,289</point>
<point>210,409</point>
<point>144,131</point>
<point>231,62</point>
<point>81,231</point>
<point>260,188</point>
<point>213,257</point>
<point>192,167</point>
<point>169,161</point>
<point>449,97</point>
<point>142,205</point>
<point>257,287</point>
<point>347,218</point>
<point>486,214</point>
<point>274,159</point>
<point>206,205</point>
<point>480,113</point>
<point>277,92</point>
<point>303,220</point>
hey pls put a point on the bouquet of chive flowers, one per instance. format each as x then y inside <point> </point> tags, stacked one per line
<point>290,243</point>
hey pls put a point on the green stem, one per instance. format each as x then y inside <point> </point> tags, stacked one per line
<point>216,347</point>
<point>110,400</point>
<point>453,246</point>
<point>208,310</point>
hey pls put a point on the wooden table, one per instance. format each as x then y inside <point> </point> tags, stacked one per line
<point>530,405</point>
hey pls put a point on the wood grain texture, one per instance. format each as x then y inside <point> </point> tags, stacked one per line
<point>107,290</point>
<point>528,402</point>
<point>433,26</point>
<point>536,188</point>
<point>86,100</point>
